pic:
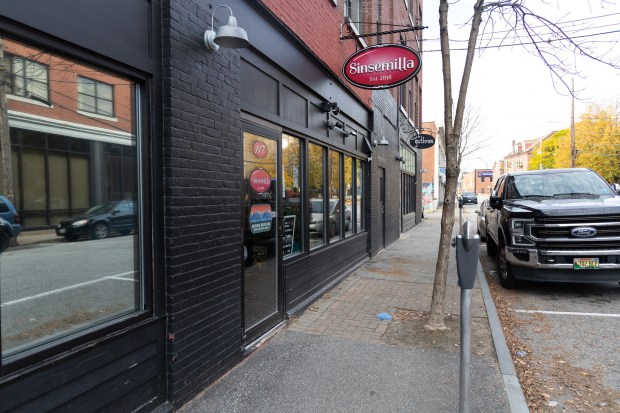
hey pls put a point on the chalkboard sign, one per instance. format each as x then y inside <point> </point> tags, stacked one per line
<point>289,230</point>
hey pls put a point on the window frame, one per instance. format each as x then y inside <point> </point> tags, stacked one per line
<point>149,258</point>
<point>355,21</point>
<point>303,219</point>
<point>96,97</point>
<point>27,93</point>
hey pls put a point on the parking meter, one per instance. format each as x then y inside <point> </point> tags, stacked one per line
<point>467,244</point>
<point>460,210</point>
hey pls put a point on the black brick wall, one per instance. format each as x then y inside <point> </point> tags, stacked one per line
<point>202,170</point>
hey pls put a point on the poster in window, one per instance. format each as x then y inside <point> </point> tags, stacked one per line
<point>289,230</point>
<point>260,218</point>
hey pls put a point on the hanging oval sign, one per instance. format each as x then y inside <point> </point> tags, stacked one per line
<point>422,141</point>
<point>260,180</point>
<point>382,67</point>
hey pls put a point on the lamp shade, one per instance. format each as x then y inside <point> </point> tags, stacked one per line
<point>230,35</point>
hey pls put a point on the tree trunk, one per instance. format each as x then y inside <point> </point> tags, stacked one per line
<point>453,135</point>
<point>6,164</point>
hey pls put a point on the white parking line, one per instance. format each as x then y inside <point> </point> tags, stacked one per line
<point>118,277</point>
<point>69,287</point>
<point>567,313</point>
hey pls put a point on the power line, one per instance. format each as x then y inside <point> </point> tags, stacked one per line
<point>559,25</point>
<point>527,43</point>
<point>491,36</point>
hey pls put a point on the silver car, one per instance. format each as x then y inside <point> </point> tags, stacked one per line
<point>316,216</point>
<point>482,219</point>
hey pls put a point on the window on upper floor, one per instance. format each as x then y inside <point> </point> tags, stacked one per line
<point>95,96</point>
<point>28,78</point>
<point>353,10</point>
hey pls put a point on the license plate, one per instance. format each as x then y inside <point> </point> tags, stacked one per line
<point>585,263</point>
<point>61,231</point>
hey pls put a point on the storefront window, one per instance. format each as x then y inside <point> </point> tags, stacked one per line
<point>408,180</point>
<point>335,202</point>
<point>359,196</point>
<point>348,195</point>
<point>291,196</point>
<point>81,268</point>
<point>316,168</point>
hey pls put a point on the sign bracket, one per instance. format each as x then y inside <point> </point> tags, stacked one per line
<point>358,36</point>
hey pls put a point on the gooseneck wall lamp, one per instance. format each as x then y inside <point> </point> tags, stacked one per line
<point>330,107</point>
<point>382,142</point>
<point>229,36</point>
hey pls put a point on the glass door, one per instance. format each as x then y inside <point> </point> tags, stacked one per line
<point>262,288</point>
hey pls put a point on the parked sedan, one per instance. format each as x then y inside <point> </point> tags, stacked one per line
<point>99,221</point>
<point>482,219</point>
<point>469,198</point>
<point>10,224</point>
<point>5,236</point>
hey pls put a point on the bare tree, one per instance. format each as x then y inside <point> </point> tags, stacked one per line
<point>543,38</point>
<point>470,141</point>
<point>6,169</point>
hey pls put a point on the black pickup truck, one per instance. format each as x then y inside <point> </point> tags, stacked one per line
<point>554,225</point>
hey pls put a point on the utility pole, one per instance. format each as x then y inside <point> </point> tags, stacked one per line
<point>572,124</point>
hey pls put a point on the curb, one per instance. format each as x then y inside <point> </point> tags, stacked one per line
<point>516,398</point>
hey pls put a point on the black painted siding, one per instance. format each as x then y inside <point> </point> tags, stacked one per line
<point>307,277</point>
<point>99,378</point>
<point>202,167</point>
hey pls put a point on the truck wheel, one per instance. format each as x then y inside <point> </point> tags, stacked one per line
<point>504,270</point>
<point>491,246</point>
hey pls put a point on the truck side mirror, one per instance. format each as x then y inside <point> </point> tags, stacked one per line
<point>496,202</point>
<point>616,188</point>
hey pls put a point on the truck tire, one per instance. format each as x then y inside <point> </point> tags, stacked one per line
<point>504,270</point>
<point>491,246</point>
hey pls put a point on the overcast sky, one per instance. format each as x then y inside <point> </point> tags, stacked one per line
<point>512,89</point>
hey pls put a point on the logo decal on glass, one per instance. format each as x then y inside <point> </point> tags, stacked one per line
<point>260,180</point>
<point>260,149</point>
<point>260,218</point>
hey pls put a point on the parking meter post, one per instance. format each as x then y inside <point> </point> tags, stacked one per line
<point>465,359</point>
<point>466,264</point>
<point>460,211</point>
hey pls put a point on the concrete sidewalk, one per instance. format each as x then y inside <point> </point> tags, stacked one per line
<point>338,356</point>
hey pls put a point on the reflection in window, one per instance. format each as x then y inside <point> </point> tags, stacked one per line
<point>28,78</point>
<point>359,196</point>
<point>316,227</point>
<point>348,195</point>
<point>96,97</point>
<point>291,195</point>
<point>335,204</point>
<point>408,179</point>
<point>75,182</point>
